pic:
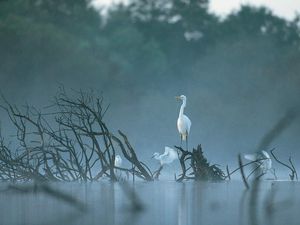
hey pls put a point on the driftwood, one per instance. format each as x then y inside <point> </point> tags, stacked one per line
<point>139,168</point>
<point>293,175</point>
<point>195,166</point>
<point>242,171</point>
<point>241,166</point>
<point>256,163</point>
<point>68,143</point>
<point>157,173</point>
<point>71,142</point>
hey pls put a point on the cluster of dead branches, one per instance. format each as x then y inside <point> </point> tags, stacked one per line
<point>70,142</point>
<point>293,175</point>
<point>195,166</point>
<point>258,172</point>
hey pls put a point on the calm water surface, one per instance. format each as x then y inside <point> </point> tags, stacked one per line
<point>163,203</point>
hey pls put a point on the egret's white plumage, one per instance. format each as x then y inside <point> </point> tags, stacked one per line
<point>167,157</point>
<point>118,172</point>
<point>265,162</point>
<point>183,122</point>
<point>118,161</point>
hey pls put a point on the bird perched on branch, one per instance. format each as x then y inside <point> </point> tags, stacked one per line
<point>263,160</point>
<point>183,122</point>
<point>167,157</point>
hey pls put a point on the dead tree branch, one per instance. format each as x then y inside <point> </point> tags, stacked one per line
<point>293,173</point>
<point>201,169</point>
<point>69,142</point>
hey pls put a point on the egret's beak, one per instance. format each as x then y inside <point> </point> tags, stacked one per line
<point>177,97</point>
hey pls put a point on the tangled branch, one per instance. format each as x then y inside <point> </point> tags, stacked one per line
<point>70,142</point>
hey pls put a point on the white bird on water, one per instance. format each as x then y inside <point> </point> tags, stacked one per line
<point>167,157</point>
<point>265,162</point>
<point>118,172</point>
<point>183,122</point>
<point>118,163</point>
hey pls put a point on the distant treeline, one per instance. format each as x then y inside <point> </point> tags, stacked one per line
<point>145,41</point>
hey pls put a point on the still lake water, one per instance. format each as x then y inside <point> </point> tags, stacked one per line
<point>171,203</point>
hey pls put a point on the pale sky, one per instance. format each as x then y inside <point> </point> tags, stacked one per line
<point>283,8</point>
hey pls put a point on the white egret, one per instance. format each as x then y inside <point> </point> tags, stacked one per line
<point>167,157</point>
<point>183,122</point>
<point>265,162</point>
<point>118,163</point>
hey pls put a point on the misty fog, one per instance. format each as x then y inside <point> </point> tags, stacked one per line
<point>240,78</point>
<point>66,159</point>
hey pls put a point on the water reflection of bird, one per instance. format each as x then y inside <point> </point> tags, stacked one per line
<point>264,160</point>
<point>183,122</point>
<point>167,157</point>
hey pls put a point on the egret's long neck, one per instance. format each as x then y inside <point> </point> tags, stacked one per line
<point>182,108</point>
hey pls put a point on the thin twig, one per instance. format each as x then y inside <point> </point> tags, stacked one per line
<point>242,171</point>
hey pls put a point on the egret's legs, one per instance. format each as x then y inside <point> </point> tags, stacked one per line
<point>262,174</point>
<point>274,173</point>
<point>180,141</point>
<point>253,171</point>
<point>187,143</point>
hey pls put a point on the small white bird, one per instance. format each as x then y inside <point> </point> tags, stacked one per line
<point>265,162</point>
<point>118,161</point>
<point>120,174</point>
<point>183,122</point>
<point>167,157</point>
